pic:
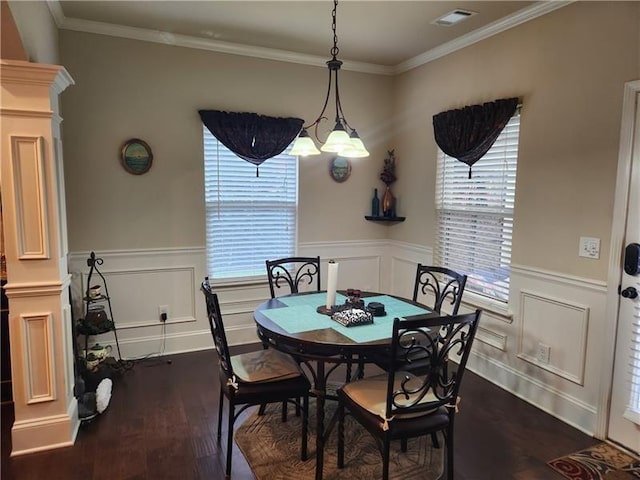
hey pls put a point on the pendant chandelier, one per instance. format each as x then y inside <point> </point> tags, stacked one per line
<point>339,141</point>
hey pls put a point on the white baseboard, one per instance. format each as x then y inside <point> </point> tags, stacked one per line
<point>45,433</point>
<point>151,345</point>
<point>553,401</point>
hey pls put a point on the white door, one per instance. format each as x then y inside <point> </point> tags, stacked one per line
<point>624,412</point>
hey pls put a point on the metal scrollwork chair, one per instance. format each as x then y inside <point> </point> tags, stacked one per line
<point>448,288</point>
<point>286,276</point>
<point>445,286</point>
<point>293,272</point>
<point>254,378</point>
<point>401,404</point>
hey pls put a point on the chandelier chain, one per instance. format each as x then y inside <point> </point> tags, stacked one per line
<point>343,140</point>
<point>334,50</point>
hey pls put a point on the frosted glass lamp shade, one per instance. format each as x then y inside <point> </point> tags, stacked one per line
<point>337,141</point>
<point>356,148</point>
<point>304,146</point>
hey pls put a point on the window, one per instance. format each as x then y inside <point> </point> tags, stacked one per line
<point>632,411</point>
<point>249,219</point>
<point>475,215</point>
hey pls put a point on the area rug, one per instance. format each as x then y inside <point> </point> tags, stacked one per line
<point>601,462</point>
<point>272,449</point>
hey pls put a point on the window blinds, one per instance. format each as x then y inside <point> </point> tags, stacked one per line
<point>633,409</point>
<point>475,215</point>
<point>249,219</point>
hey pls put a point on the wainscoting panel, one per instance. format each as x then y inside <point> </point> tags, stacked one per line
<point>403,261</point>
<point>561,311</point>
<point>30,197</point>
<point>38,357</point>
<point>555,324</point>
<point>360,262</point>
<point>564,312</point>
<point>174,287</point>
<point>139,281</point>
<point>494,339</point>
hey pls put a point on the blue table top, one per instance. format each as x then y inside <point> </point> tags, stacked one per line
<point>298,314</point>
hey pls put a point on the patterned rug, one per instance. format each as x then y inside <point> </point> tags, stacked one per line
<point>272,448</point>
<point>602,462</point>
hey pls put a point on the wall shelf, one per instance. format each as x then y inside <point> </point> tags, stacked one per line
<point>385,219</point>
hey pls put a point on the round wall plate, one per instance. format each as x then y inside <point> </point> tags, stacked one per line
<point>340,168</point>
<point>136,156</point>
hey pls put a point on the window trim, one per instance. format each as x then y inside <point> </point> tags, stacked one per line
<point>445,205</point>
<point>261,278</point>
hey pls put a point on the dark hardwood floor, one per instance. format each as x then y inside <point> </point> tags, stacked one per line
<point>161,424</point>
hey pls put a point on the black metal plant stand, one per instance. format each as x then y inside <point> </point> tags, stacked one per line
<point>98,314</point>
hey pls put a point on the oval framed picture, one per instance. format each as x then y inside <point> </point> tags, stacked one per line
<point>340,169</point>
<point>136,156</point>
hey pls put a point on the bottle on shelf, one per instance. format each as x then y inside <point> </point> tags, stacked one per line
<point>375,204</point>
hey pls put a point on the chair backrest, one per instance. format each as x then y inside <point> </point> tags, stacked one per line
<point>437,385</point>
<point>217,328</point>
<point>292,272</point>
<point>449,287</point>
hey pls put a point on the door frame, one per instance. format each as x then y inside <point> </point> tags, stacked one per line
<point>627,129</point>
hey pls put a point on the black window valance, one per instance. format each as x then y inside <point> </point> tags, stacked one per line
<point>468,133</point>
<point>251,136</point>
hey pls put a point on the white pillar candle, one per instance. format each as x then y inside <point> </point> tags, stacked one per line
<point>332,283</point>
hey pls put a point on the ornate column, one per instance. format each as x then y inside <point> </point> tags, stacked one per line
<point>35,235</point>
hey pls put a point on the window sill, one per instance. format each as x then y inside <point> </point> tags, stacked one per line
<point>495,307</point>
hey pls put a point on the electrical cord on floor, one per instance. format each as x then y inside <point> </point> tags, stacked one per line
<point>159,356</point>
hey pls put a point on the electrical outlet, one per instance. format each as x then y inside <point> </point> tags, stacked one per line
<point>163,312</point>
<point>544,353</point>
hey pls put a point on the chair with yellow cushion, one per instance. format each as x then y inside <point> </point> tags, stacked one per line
<point>400,404</point>
<point>254,378</point>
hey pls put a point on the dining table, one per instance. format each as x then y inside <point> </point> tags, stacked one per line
<point>295,325</point>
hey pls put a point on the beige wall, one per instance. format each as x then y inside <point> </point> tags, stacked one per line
<point>128,89</point>
<point>569,68</point>
<point>37,29</point>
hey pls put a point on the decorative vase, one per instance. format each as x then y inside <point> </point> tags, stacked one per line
<point>388,203</point>
<point>375,204</point>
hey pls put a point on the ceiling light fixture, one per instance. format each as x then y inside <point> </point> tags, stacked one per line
<point>339,141</point>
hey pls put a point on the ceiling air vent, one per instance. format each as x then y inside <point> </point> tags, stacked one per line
<point>453,17</point>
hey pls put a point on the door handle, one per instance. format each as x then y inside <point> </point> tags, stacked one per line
<point>629,292</point>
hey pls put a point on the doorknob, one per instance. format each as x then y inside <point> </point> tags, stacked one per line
<point>629,292</point>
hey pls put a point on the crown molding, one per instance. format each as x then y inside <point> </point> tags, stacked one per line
<point>521,16</point>
<point>166,38</point>
<point>56,12</point>
<point>155,36</point>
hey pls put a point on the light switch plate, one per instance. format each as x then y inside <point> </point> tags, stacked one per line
<point>589,247</point>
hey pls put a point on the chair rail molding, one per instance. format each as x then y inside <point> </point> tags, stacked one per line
<point>547,275</point>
